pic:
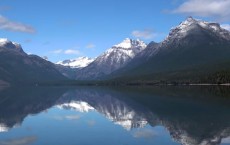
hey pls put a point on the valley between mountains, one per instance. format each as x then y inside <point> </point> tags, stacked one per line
<point>194,52</point>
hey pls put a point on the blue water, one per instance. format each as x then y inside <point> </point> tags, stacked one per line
<point>107,116</point>
<point>53,127</point>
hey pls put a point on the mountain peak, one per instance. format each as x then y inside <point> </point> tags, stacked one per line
<point>112,59</point>
<point>196,26</point>
<point>7,44</point>
<point>190,18</point>
<point>129,43</point>
<point>79,62</point>
<point>4,41</point>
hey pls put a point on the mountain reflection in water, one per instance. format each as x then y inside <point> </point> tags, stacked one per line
<point>191,115</point>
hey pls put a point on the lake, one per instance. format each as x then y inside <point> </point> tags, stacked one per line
<point>157,115</point>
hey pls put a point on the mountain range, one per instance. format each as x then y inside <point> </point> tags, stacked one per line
<point>195,51</point>
<point>111,60</point>
<point>68,68</point>
<point>191,51</point>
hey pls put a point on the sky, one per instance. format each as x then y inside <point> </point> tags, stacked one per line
<point>67,29</point>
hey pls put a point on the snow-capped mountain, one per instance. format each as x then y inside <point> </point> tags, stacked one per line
<point>178,34</point>
<point>126,114</point>
<point>190,26</point>
<point>192,45</point>
<point>69,67</point>
<point>7,44</point>
<point>117,113</point>
<point>112,59</point>
<point>195,27</point>
<point>79,106</point>
<point>128,44</point>
<point>76,63</point>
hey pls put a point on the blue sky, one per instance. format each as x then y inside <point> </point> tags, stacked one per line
<point>66,29</point>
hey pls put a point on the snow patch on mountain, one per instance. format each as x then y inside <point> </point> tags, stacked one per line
<point>112,59</point>
<point>3,128</point>
<point>79,106</point>
<point>191,25</point>
<point>3,41</point>
<point>7,44</point>
<point>129,47</point>
<point>225,26</point>
<point>76,63</point>
<point>129,43</point>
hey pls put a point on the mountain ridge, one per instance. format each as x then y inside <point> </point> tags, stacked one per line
<point>194,47</point>
<point>112,59</point>
<point>17,67</point>
<point>79,62</point>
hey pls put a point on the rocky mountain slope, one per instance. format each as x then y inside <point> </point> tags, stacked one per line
<point>18,67</point>
<point>193,49</point>
<point>112,60</point>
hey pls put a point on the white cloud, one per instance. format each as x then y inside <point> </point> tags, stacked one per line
<point>19,141</point>
<point>90,46</point>
<point>6,24</point>
<point>226,26</point>
<point>145,34</point>
<point>72,51</point>
<point>206,8</point>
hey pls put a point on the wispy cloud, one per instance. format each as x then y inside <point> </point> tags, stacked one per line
<point>57,51</point>
<point>6,24</point>
<point>145,34</point>
<point>174,2</point>
<point>67,51</point>
<point>5,8</point>
<point>68,23</point>
<point>91,122</point>
<point>67,117</point>
<point>226,26</point>
<point>27,40</point>
<point>205,8</point>
<point>72,51</point>
<point>90,46</point>
<point>226,140</point>
<point>46,43</point>
<point>19,141</point>
<point>144,133</point>
<point>72,117</point>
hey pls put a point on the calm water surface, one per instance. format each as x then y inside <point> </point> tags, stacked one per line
<point>115,116</point>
